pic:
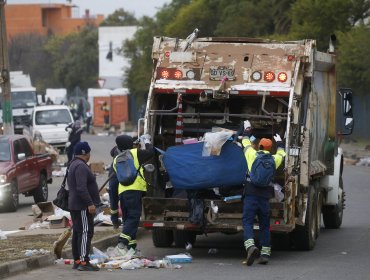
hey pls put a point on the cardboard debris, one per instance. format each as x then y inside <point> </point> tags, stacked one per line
<point>57,222</point>
<point>47,208</point>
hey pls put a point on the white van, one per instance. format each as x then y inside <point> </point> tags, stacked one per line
<point>51,121</point>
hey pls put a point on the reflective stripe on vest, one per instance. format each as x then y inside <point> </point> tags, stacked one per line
<point>139,184</point>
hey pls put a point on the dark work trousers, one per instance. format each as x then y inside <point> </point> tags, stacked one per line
<point>70,152</point>
<point>113,196</point>
<point>260,206</point>
<point>130,202</point>
<point>83,232</point>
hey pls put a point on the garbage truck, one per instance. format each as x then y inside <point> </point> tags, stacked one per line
<point>201,85</point>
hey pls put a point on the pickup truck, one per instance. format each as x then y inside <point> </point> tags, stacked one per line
<point>22,172</point>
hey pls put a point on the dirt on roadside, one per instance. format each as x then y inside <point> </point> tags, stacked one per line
<point>14,247</point>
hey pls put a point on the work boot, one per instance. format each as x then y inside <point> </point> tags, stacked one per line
<point>76,263</point>
<point>264,259</point>
<point>122,249</point>
<point>252,254</point>
<point>87,266</point>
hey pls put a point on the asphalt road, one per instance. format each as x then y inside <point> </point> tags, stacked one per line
<point>339,254</point>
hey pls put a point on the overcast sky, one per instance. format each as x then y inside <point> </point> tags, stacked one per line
<point>106,7</point>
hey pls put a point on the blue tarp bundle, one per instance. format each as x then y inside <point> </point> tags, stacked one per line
<point>188,169</point>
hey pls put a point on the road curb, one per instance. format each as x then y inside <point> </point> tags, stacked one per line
<point>34,262</point>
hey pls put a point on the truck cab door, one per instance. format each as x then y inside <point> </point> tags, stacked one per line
<point>21,166</point>
<point>32,162</point>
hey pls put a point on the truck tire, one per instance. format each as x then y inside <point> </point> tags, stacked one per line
<point>12,200</point>
<point>333,214</point>
<point>304,237</point>
<point>182,237</point>
<point>40,194</point>
<point>162,238</point>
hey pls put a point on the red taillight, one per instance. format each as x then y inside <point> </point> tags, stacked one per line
<point>282,77</point>
<point>269,76</point>
<point>277,222</point>
<point>147,225</point>
<point>165,74</point>
<point>291,57</point>
<point>178,74</point>
<point>167,54</point>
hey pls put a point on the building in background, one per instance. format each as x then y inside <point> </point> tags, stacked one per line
<point>46,19</point>
<point>112,63</point>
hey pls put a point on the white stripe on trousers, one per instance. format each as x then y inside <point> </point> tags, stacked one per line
<point>85,229</point>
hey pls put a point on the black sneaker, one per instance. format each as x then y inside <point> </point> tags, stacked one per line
<point>76,264</point>
<point>86,266</point>
<point>264,259</point>
<point>252,254</point>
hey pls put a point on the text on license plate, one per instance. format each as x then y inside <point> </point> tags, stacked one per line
<point>217,73</point>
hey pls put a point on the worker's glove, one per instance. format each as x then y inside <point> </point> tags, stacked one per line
<point>277,138</point>
<point>69,130</point>
<point>68,144</point>
<point>145,138</point>
<point>247,125</point>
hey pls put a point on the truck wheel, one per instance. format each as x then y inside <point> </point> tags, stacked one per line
<point>305,236</point>
<point>162,238</point>
<point>333,214</point>
<point>41,193</point>
<point>182,237</point>
<point>12,200</point>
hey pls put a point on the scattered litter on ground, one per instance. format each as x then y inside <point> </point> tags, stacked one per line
<point>363,162</point>
<point>213,251</point>
<point>29,253</point>
<point>115,258</point>
<point>188,246</point>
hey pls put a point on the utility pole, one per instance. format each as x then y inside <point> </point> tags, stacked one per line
<point>4,74</point>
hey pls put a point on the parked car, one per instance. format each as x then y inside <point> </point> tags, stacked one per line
<point>51,122</point>
<point>22,172</point>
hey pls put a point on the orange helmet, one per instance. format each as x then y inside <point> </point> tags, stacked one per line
<point>266,144</point>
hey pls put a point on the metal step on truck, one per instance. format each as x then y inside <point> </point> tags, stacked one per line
<point>288,88</point>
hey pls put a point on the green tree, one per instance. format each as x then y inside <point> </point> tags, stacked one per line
<point>75,58</point>
<point>120,17</point>
<point>316,19</point>
<point>26,53</point>
<point>139,50</point>
<point>354,61</point>
<point>360,11</point>
<point>281,17</point>
<point>245,18</point>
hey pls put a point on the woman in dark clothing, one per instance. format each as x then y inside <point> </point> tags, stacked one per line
<point>83,200</point>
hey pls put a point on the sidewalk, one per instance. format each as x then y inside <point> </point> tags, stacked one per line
<point>34,262</point>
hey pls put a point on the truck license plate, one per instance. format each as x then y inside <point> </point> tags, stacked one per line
<point>216,73</point>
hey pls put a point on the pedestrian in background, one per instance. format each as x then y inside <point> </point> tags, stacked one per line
<point>105,109</point>
<point>130,196</point>
<point>88,120</point>
<point>256,199</point>
<point>83,200</point>
<point>81,111</point>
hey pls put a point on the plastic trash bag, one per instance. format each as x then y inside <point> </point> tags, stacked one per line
<point>279,195</point>
<point>213,142</point>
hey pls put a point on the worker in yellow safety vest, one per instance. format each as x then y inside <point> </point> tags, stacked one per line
<point>130,196</point>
